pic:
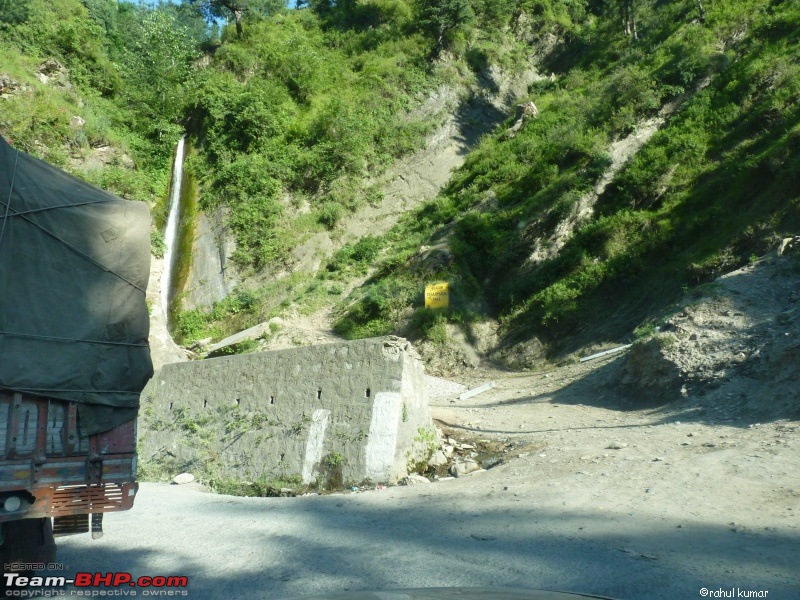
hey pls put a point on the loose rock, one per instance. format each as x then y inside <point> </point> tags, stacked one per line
<point>438,459</point>
<point>463,466</point>
<point>183,479</point>
<point>414,479</point>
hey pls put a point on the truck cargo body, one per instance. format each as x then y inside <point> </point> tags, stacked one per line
<point>48,469</point>
<point>74,354</point>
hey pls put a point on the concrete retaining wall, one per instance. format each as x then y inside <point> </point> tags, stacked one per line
<point>346,413</point>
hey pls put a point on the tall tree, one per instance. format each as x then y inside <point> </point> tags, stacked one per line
<point>13,12</point>
<point>157,65</point>
<point>238,9</point>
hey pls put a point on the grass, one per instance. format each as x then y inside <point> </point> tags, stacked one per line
<point>716,185</point>
<point>307,107</point>
<point>263,488</point>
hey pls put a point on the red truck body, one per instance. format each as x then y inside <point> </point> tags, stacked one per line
<point>53,471</point>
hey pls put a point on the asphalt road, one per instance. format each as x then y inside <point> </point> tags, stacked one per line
<point>448,534</point>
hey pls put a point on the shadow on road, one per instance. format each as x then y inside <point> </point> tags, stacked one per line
<point>275,548</point>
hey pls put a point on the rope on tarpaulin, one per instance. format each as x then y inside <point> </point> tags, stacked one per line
<point>72,340</point>
<point>10,191</point>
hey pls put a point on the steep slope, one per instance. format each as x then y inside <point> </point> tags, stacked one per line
<point>403,188</point>
<point>733,352</point>
<point>315,132</point>
<point>514,235</point>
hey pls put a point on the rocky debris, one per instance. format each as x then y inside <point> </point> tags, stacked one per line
<point>183,479</point>
<point>50,66</point>
<point>438,459</point>
<point>395,346</point>
<point>521,356</point>
<point>525,112</point>
<point>10,87</point>
<point>52,72</point>
<point>742,334</point>
<point>464,466</point>
<point>414,479</point>
<point>456,458</point>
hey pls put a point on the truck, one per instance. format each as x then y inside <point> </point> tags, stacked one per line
<point>74,355</point>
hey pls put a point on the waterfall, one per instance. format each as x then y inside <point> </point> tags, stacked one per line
<point>171,234</point>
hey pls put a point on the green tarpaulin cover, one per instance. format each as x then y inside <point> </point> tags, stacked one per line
<point>74,265</point>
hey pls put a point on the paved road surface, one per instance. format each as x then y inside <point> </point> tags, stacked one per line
<point>445,534</point>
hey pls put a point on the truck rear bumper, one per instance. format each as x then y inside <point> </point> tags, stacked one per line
<point>67,500</point>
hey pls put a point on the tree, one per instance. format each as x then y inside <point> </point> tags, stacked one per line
<point>627,10</point>
<point>13,12</point>
<point>445,19</point>
<point>157,65</point>
<point>238,9</point>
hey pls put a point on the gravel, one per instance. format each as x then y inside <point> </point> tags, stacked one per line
<point>443,389</point>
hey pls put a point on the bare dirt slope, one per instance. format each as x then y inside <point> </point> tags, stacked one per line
<point>651,488</point>
<point>421,176</point>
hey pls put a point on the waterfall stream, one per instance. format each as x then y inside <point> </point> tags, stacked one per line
<point>171,233</point>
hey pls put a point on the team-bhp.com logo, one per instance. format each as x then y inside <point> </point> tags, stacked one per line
<point>96,584</point>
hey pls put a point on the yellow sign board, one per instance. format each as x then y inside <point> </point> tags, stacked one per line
<point>437,295</point>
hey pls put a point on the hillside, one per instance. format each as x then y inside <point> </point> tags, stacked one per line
<point>586,175</point>
<point>94,87</point>
<point>656,154</point>
<point>653,166</point>
<point>547,232</point>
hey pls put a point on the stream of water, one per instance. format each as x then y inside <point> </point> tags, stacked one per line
<point>171,233</point>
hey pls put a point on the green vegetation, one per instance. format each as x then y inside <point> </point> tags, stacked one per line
<point>301,107</point>
<point>263,488</point>
<point>428,437</point>
<point>419,463</point>
<point>710,189</point>
<point>97,87</point>
<point>292,114</point>
<point>294,106</point>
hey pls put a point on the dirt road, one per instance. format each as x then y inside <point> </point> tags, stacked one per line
<point>678,506</point>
